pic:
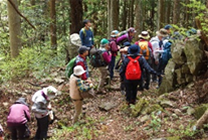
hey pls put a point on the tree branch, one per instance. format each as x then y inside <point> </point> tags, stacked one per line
<point>15,8</point>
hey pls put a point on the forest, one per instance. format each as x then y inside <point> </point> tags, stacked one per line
<point>35,47</point>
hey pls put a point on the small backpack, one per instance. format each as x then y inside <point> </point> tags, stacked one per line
<point>133,70</point>
<point>96,59</point>
<point>166,55</point>
<point>144,49</point>
<point>70,66</point>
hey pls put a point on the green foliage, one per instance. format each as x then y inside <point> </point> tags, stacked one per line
<point>30,62</point>
<point>183,131</point>
<point>79,131</point>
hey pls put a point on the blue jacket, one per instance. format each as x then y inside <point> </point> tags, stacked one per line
<point>86,37</point>
<point>143,64</point>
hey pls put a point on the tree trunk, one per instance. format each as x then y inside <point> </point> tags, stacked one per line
<point>139,18</point>
<point>124,15</point>
<point>160,14</point>
<point>14,29</point>
<point>168,9</point>
<point>131,13</point>
<point>152,14</point>
<point>53,24</point>
<point>113,13</point>
<point>76,16</point>
<point>176,11</point>
<point>187,14</point>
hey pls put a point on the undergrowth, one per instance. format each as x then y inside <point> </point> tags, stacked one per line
<point>30,62</point>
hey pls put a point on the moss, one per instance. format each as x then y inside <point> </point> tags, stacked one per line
<point>173,138</point>
<point>136,109</point>
<point>151,108</point>
<point>199,111</point>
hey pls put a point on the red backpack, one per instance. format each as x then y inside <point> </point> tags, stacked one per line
<point>133,70</point>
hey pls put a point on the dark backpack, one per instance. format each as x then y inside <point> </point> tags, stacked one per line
<point>96,59</point>
<point>166,55</point>
<point>70,67</point>
<point>133,70</point>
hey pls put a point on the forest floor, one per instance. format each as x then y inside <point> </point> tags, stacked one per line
<point>114,123</point>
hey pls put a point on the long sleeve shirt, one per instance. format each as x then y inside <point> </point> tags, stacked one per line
<point>106,57</point>
<point>157,48</point>
<point>142,62</point>
<point>18,114</point>
<point>86,37</point>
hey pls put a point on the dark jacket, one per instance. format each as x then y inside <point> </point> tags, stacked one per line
<point>143,64</point>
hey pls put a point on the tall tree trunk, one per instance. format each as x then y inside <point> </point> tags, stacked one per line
<point>124,15</point>
<point>152,14</point>
<point>131,13</point>
<point>160,14</point>
<point>168,9</point>
<point>53,24</point>
<point>76,16</point>
<point>113,13</point>
<point>139,17</point>
<point>14,29</point>
<point>176,11</point>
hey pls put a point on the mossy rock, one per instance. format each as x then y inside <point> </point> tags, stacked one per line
<point>199,111</point>
<point>151,108</point>
<point>137,108</point>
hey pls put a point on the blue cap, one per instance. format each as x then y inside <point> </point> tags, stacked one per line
<point>127,43</point>
<point>167,27</point>
<point>134,49</point>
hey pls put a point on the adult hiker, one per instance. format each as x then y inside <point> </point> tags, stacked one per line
<point>114,48</point>
<point>147,51</point>
<point>157,45</point>
<point>79,89</point>
<point>131,72</point>
<point>128,36</point>
<point>42,109</point>
<point>19,115</point>
<point>83,52</point>
<point>106,55</point>
<point>86,34</point>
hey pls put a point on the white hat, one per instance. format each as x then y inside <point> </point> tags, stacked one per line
<point>75,39</point>
<point>51,92</point>
<point>78,70</point>
<point>144,35</point>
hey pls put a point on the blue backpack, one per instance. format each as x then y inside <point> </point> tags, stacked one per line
<point>166,55</point>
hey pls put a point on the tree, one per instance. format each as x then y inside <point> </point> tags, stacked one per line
<point>53,24</point>
<point>76,15</point>
<point>113,14</point>
<point>139,17</point>
<point>14,28</point>
<point>161,14</point>
<point>176,11</point>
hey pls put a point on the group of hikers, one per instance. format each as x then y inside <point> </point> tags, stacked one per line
<point>139,63</point>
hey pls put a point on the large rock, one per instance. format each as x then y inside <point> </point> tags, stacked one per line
<point>74,44</point>
<point>199,111</point>
<point>169,80</point>
<point>177,51</point>
<point>180,76</point>
<point>194,55</point>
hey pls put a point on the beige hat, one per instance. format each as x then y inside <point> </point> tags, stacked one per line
<point>162,32</point>
<point>144,35</point>
<point>78,70</point>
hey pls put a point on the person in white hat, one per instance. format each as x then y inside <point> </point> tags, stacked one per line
<point>79,89</point>
<point>42,109</point>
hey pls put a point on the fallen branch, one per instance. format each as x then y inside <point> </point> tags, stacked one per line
<point>15,8</point>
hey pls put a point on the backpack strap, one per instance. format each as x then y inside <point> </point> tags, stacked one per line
<point>130,58</point>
